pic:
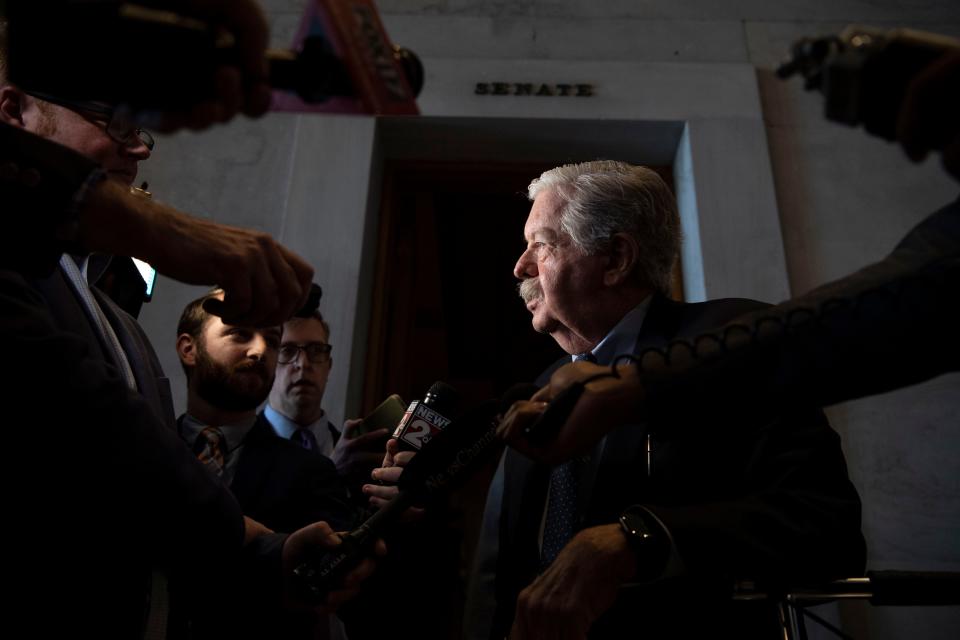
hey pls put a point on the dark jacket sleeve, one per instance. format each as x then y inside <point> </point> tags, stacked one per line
<point>887,326</point>
<point>314,493</point>
<point>772,503</point>
<point>747,494</point>
<point>99,479</point>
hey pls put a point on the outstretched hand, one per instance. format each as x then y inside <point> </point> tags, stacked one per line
<point>606,403</point>
<point>264,282</point>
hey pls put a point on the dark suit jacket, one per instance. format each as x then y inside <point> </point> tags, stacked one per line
<point>768,501</point>
<point>70,315</point>
<point>97,486</point>
<point>889,325</point>
<point>284,487</point>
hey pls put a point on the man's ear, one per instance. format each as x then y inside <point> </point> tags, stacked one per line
<point>187,349</point>
<point>624,254</point>
<point>12,105</point>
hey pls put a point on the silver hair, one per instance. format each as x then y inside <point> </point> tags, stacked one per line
<point>605,197</point>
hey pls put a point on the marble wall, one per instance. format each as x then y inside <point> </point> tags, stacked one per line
<point>760,174</point>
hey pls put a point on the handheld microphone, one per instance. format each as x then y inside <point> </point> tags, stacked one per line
<point>454,454</point>
<point>426,418</point>
<point>343,61</point>
<point>447,458</point>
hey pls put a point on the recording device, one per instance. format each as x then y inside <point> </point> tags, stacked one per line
<point>152,60</point>
<point>149,275</point>
<point>386,416</point>
<point>864,72</point>
<point>453,454</point>
<point>425,419</point>
<point>445,460</point>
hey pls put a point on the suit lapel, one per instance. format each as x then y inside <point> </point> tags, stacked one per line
<point>151,383</point>
<point>660,325</point>
<point>524,498</point>
<point>256,460</point>
<point>621,471</point>
<point>67,310</point>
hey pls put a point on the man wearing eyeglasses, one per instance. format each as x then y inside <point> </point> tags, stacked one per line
<point>94,129</point>
<point>230,370</point>
<point>295,408</point>
<point>110,499</point>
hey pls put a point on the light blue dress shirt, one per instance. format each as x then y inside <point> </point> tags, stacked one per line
<point>285,428</point>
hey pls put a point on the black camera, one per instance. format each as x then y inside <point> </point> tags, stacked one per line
<point>151,59</point>
<point>864,72</point>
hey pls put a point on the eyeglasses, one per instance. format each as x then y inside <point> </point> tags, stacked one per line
<point>317,352</point>
<point>118,126</point>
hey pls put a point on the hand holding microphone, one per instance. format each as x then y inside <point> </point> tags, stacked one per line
<point>580,404</point>
<point>422,420</point>
<point>386,478</point>
<point>446,459</point>
<point>305,543</point>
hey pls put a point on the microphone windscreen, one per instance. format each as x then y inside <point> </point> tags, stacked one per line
<point>425,419</point>
<point>452,453</point>
<point>445,396</point>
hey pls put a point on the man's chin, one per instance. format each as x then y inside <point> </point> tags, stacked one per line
<point>543,325</point>
<point>125,178</point>
<point>302,389</point>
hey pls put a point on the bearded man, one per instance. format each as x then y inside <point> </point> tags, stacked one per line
<point>230,370</point>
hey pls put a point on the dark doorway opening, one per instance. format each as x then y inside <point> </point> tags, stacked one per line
<point>445,307</point>
<point>445,301</point>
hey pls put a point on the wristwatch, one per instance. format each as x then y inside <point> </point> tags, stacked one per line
<point>649,540</point>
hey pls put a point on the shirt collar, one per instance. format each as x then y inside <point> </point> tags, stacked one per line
<point>234,434</point>
<point>285,427</point>
<point>92,266</point>
<point>623,337</point>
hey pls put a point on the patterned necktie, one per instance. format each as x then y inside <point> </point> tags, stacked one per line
<point>305,438</point>
<point>560,523</point>
<point>210,447</point>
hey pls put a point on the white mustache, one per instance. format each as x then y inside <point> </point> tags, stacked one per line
<point>530,290</point>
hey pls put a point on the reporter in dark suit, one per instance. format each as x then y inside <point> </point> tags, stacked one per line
<point>230,371</point>
<point>106,497</point>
